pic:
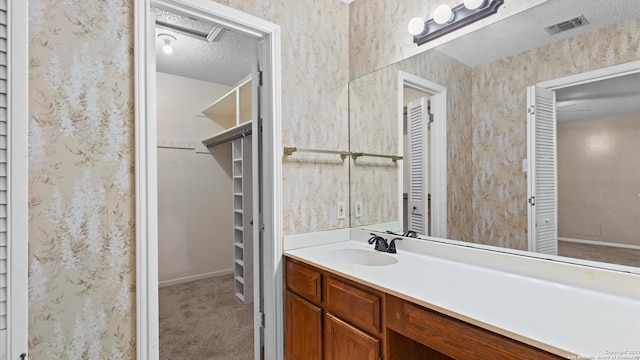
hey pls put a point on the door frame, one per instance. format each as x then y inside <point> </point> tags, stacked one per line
<point>438,147</point>
<point>561,83</point>
<point>18,180</point>
<point>147,324</point>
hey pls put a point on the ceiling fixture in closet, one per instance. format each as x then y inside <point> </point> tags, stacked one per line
<point>167,38</point>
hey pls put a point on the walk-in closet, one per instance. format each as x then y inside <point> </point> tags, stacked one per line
<point>204,113</point>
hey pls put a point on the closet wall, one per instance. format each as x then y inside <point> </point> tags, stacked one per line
<point>195,232</point>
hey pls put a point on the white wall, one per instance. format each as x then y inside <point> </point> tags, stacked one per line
<point>195,218</point>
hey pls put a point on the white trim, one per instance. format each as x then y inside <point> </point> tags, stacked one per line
<point>18,158</point>
<point>438,151</point>
<point>561,83</point>
<point>599,243</point>
<point>590,76</point>
<point>147,327</point>
<point>272,199</point>
<point>191,278</point>
<point>146,165</point>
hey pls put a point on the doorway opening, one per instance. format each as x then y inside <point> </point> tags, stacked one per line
<point>262,220</point>
<point>583,174</point>
<point>204,115</point>
<point>424,167</point>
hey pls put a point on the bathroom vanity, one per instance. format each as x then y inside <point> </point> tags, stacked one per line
<point>346,301</point>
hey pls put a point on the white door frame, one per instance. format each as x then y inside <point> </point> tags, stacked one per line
<point>438,148</point>
<point>17,174</point>
<point>567,81</point>
<point>146,171</point>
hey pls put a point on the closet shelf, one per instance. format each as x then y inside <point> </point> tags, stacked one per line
<point>230,134</point>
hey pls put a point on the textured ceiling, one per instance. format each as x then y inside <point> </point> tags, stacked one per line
<point>225,61</point>
<point>619,95</point>
<point>525,31</point>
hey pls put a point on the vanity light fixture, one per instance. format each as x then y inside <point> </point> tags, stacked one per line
<point>167,38</point>
<point>445,19</point>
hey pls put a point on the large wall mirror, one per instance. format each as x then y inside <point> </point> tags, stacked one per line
<point>475,183</point>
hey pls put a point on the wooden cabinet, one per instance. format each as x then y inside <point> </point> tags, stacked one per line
<point>452,337</point>
<point>330,317</point>
<point>360,307</point>
<point>343,341</point>
<point>303,326</point>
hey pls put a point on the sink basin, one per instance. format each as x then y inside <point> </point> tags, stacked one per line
<point>364,257</point>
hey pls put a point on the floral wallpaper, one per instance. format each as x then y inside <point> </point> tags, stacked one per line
<point>315,75</point>
<point>499,122</point>
<point>81,192</point>
<point>81,196</point>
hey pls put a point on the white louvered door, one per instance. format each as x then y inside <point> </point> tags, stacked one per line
<point>13,179</point>
<point>418,167</point>
<point>4,267</point>
<point>542,177</point>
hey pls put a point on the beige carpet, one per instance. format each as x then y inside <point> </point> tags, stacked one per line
<point>204,320</point>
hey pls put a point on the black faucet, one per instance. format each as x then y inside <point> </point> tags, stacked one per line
<point>409,233</point>
<point>381,243</point>
<point>392,246</point>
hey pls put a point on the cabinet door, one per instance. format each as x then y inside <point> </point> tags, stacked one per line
<point>303,329</point>
<point>343,341</point>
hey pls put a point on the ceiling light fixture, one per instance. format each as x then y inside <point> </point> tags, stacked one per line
<point>167,38</point>
<point>445,19</point>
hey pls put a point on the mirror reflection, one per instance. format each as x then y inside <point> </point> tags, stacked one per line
<point>476,181</point>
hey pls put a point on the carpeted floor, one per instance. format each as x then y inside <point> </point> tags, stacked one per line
<point>204,320</point>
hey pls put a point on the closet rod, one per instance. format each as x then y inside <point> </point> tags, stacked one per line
<point>237,136</point>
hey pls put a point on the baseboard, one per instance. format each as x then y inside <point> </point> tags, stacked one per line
<point>194,278</point>
<point>600,243</point>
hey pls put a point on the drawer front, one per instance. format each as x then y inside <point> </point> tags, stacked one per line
<point>357,306</point>
<point>304,281</point>
<point>453,337</point>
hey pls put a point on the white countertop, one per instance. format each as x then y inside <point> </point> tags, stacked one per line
<point>563,319</point>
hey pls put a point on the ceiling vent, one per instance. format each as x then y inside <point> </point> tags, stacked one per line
<point>567,25</point>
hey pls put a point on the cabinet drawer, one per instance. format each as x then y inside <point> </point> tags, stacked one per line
<point>453,337</point>
<point>357,306</point>
<point>304,281</point>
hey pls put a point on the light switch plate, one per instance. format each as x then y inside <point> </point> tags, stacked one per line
<point>341,210</point>
<point>357,211</point>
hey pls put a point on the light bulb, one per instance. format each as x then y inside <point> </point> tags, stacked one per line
<point>473,4</point>
<point>443,14</point>
<point>167,48</point>
<point>416,26</point>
